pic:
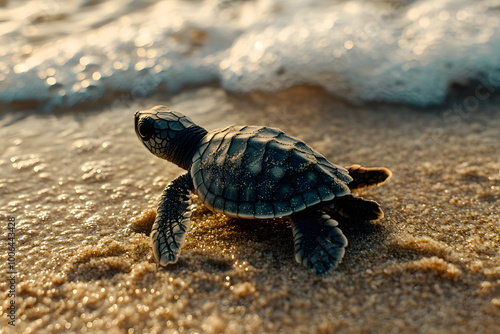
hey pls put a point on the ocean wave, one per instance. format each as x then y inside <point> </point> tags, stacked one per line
<point>408,52</point>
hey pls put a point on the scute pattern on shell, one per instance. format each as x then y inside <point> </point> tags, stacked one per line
<point>260,172</point>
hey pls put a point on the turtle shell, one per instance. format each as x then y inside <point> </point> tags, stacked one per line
<point>260,172</point>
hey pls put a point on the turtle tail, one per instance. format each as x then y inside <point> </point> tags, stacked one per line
<point>367,177</point>
<point>353,207</point>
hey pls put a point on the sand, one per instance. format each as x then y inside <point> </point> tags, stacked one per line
<point>83,192</point>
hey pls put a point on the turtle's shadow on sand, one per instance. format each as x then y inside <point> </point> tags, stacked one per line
<point>365,240</point>
<point>270,239</point>
<point>273,239</point>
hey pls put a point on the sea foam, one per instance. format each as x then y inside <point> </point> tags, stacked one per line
<point>399,52</point>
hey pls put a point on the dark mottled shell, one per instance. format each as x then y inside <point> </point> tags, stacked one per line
<point>260,172</point>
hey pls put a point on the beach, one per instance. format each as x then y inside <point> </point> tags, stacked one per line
<point>83,192</point>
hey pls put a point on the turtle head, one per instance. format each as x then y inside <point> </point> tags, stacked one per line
<point>168,134</point>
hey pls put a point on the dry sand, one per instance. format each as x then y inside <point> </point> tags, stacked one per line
<point>83,191</point>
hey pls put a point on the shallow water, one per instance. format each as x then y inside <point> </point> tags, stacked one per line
<point>83,191</point>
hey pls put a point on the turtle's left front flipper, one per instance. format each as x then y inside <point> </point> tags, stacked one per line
<point>319,243</point>
<point>172,220</point>
<point>367,177</point>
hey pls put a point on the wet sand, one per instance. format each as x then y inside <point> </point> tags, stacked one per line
<point>83,191</point>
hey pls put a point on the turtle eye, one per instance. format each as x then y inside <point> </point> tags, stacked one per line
<point>145,128</point>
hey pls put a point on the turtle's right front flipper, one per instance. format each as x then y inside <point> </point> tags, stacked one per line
<point>172,220</point>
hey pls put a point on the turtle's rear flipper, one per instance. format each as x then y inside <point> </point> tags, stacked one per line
<point>353,207</point>
<point>367,177</point>
<point>319,243</point>
<point>172,220</point>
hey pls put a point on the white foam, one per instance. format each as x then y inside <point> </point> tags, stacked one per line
<point>367,52</point>
<point>359,50</point>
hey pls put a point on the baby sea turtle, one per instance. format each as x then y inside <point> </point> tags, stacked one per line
<point>254,172</point>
